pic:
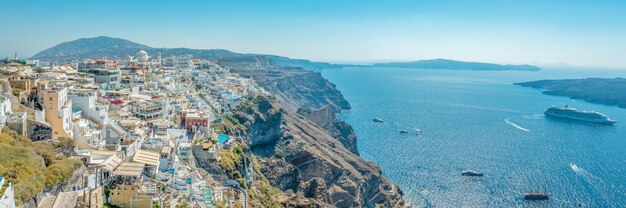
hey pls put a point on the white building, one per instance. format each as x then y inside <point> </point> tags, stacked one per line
<point>7,198</point>
<point>5,109</point>
<point>150,109</point>
<point>142,56</point>
<point>85,101</point>
<point>107,78</point>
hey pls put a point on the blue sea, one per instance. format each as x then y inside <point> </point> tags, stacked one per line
<point>479,120</point>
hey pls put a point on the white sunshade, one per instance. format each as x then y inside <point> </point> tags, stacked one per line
<point>111,163</point>
<point>147,157</point>
<point>129,169</point>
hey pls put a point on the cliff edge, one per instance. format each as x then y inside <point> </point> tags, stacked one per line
<point>298,155</point>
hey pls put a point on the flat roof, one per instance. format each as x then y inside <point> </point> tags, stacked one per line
<point>166,150</point>
<point>111,163</point>
<point>104,152</point>
<point>147,157</point>
<point>129,169</point>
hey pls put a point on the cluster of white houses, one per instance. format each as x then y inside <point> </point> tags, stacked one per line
<point>135,122</point>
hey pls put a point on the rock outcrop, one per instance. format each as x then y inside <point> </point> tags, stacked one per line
<point>298,88</point>
<point>303,157</point>
<point>325,118</point>
<point>312,153</point>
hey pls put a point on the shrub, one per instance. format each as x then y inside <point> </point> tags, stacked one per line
<point>23,163</point>
<point>61,171</point>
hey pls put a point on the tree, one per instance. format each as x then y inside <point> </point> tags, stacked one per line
<point>107,193</point>
<point>65,142</point>
<point>238,150</point>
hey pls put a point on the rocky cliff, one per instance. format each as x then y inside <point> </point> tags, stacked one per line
<point>298,88</point>
<point>303,147</point>
<point>299,155</point>
<point>310,95</point>
<point>325,118</point>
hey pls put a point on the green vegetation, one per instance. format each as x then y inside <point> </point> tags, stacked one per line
<point>107,205</point>
<point>230,126</point>
<point>257,170</point>
<point>229,161</point>
<point>220,204</point>
<point>268,195</point>
<point>238,150</point>
<point>265,193</point>
<point>65,142</point>
<point>232,121</point>
<point>61,171</point>
<point>248,103</point>
<point>24,163</point>
<point>16,92</point>
<point>107,193</point>
<point>245,104</point>
<point>242,182</point>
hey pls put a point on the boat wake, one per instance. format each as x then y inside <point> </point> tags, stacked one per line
<point>583,172</point>
<point>508,121</point>
<point>536,116</point>
<point>596,184</point>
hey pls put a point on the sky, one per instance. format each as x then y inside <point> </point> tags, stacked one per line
<point>556,32</point>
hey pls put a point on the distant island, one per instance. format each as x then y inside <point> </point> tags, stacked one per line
<point>595,90</point>
<point>458,65</point>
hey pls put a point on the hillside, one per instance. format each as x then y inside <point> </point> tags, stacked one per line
<point>595,90</point>
<point>117,48</point>
<point>33,166</point>
<point>458,65</point>
<point>298,156</point>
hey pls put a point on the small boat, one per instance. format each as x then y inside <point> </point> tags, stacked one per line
<point>403,131</point>
<point>536,196</point>
<point>471,173</point>
<point>377,120</point>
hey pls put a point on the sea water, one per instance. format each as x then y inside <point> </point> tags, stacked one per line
<point>479,120</point>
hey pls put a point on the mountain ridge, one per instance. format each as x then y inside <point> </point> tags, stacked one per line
<point>117,48</point>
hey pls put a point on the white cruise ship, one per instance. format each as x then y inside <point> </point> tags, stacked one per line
<point>573,113</point>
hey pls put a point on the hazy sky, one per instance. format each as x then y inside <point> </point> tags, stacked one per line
<point>580,33</point>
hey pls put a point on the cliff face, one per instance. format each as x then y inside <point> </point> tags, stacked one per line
<point>302,156</point>
<point>310,95</point>
<point>325,118</point>
<point>302,146</point>
<point>298,88</point>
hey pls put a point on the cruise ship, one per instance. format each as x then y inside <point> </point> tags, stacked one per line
<point>574,114</point>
